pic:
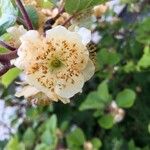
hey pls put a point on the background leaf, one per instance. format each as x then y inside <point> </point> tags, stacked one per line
<point>8,15</point>
<point>28,138</point>
<point>75,138</point>
<point>32,12</point>
<point>93,101</point>
<point>126,98</point>
<point>71,6</point>
<point>105,57</point>
<point>76,6</point>
<point>106,121</point>
<point>103,92</point>
<point>10,76</point>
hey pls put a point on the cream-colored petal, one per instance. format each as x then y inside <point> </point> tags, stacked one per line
<point>18,63</point>
<point>27,91</point>
<point>56,31</point>
<point>16,32</point>
<point>64,100</point>
<point>89,71</point>
<point>69,88</point>
<point>32,80</point>
<point>85,34</point>
<point>60,32</point>
<point>31,36</point>
<point>26,53</point>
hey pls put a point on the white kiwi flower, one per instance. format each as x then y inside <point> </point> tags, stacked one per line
<point>56,64</point>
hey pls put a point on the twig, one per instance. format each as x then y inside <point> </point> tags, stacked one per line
<point>5,68</point>
<point>50,22</point>
<point>2,43</point>
<point>24,14</point>
<point>59,13</point>
<point>68,20</point>
<point>7,57</point>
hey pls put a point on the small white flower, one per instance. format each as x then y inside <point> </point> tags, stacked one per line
<point>96,37</point>
<point>58,64</point>
<point>7,117</point>
<point>115,5</point>
<point>116,112</point>
<point>16,32</point>
<point>85,35</point>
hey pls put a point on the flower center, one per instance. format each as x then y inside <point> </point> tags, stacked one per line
<point>55,63</point>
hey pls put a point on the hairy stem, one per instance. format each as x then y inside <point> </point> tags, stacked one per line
<point>24,14</point>
<point>2,43</point>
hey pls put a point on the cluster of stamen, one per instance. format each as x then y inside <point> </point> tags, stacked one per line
<point>60,58</point>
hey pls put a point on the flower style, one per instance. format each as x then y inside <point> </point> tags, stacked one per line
<point>57,64</point>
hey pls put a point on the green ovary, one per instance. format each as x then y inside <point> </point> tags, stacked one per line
<point>55,63</point>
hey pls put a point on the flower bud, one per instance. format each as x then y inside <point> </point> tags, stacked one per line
<point>100,10</point>
<point>88,146</point>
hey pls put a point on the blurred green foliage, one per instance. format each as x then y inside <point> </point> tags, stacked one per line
<point>123,76</point>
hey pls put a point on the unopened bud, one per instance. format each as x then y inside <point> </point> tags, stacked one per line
<point>100,10</point>
<point>88,146</point>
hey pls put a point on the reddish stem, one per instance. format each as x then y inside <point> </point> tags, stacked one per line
<point>59,13</point>
<point>7,57</point>
<point>2,43</point>
<point>68,20</point>
<point>24,14</point>
<point>5,68</point>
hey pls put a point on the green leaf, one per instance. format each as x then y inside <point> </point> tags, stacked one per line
<point>46,3</point>
<point>105,57</point>
<point>149,128</point>
<point>126,98</point>
<point>14,144</point>
<point>75,138</point>
<point>71,6</point>
<point>47,137</point>
<point>106,122</point>
<point>129,67</point>
<point>10,76</point>
<point>42,147</point>
<point>143,32</point>
<point>103,92</point>
<point>76,6</point>
<point>8,15</point>
<point>83,4</point>
<point>5,37</point>
<point>131,146</point>
<point>144,62</point>
<point>95,2</point>
<point>97,144</point>
<point>51,124</point>
<point>33,15</point>
<point>29,137</point>
<point>92,101</point>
